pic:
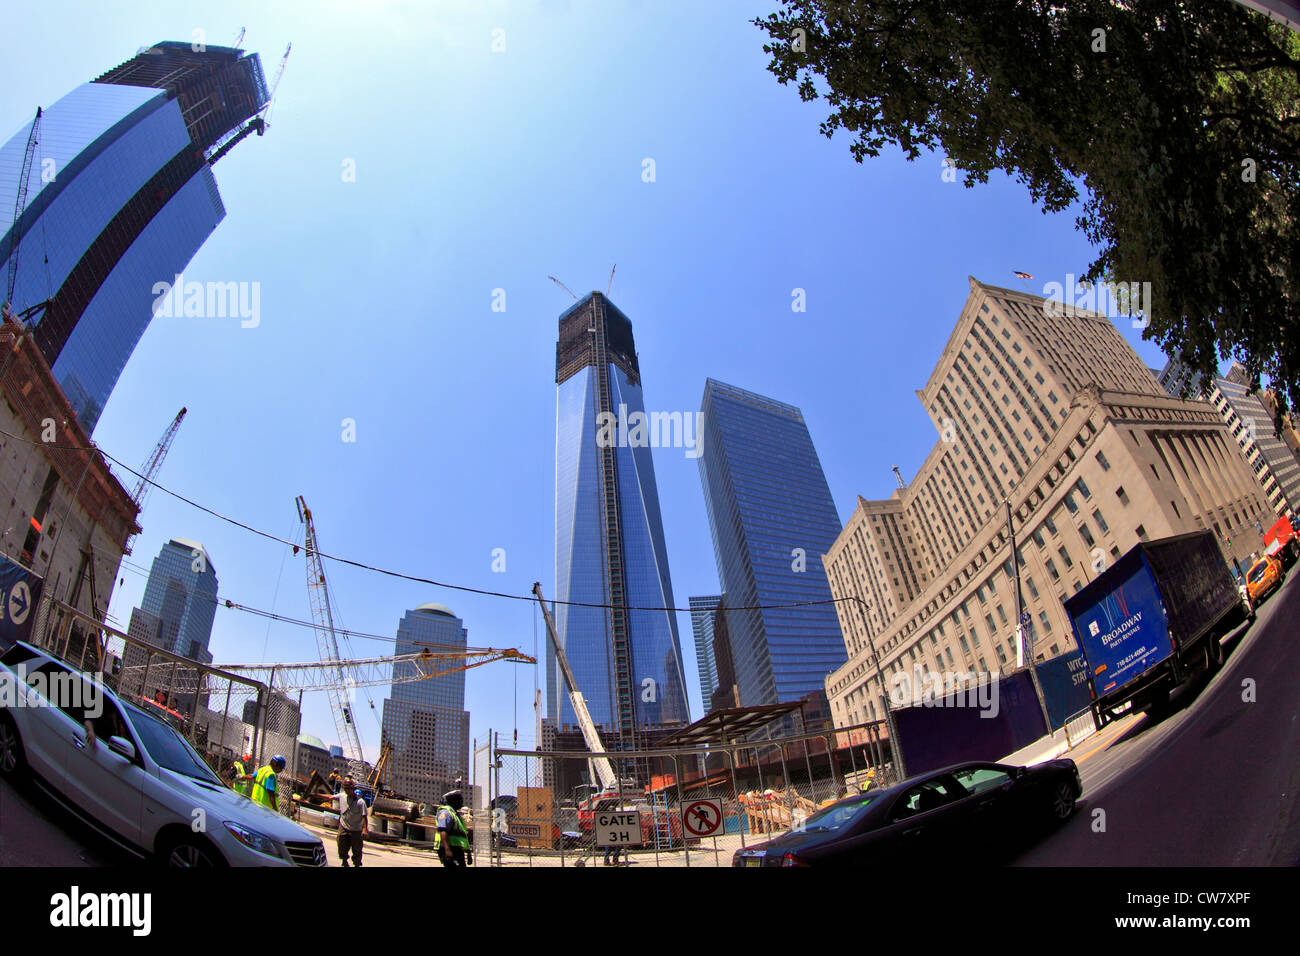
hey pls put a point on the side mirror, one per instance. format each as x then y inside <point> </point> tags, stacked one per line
<point>122,747</point>
<point>1021,771</point>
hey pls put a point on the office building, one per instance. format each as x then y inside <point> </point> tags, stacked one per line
<point>63,514</point>
<point>426,721</point>
<point>771,517</point>
<point>1249,417</point>
<point>180,601</point>
<point>120,196</point>
<point>703,610</point>
<point>609,539</point>
<point>1051,410</point>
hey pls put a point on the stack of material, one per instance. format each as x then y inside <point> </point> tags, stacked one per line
<point>775,810</point>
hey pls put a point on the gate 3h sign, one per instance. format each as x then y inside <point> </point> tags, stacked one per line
<point>20,589</point>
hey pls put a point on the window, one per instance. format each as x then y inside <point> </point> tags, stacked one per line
<point>1033,589</point>
<point>1065,556</point>
<point>1141,532</point>
<point>1046,623</point>
<point>1002,615</point>
<point>1121,494</point>
<point>979,779</point>
<point>989,619</point>
<point>964,645</point>
<point>1049,524</point>
<point>1084,533</point>
<point>1083,489</point>
<point>1070,504</point>
<point>1052,396</point>
<point>1051,569</point>
<point>1038,377</point>
<point>1038,538</point>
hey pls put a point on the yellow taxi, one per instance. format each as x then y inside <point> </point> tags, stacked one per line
<point>1264,577</point>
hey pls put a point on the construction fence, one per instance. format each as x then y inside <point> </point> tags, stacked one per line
<point>674,807</point>
<point>223,715</point>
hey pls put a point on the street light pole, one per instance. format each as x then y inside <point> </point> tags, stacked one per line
<point>1022,644</point>
<point>895,746</point>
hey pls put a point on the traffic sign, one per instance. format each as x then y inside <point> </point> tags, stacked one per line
<point>20,589</point>
<point>618,828</point>
<point>702,818</point>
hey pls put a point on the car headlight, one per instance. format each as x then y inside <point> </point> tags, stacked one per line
<point>254,840</point>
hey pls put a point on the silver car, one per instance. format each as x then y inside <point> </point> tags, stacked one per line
<point>130,775</point>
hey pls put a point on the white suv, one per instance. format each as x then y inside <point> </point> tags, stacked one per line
<point>130,775</point>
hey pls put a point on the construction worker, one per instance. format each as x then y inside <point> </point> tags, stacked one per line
<point>241,779</point>
<point>334,781</point>
<point>452,840</point>
<point>264,784</point>
<point>353,822</point>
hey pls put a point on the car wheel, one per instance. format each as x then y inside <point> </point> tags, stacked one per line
<point>11,747</point>
<point>1063,801</point>
<point>191,854</point>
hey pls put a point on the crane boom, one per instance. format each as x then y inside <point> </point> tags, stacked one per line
<point>20,204</point>
<point>150,468</point>
<point>328,645</point>
<point>604,770</point>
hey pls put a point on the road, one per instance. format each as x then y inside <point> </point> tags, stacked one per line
<point>1214,781</point>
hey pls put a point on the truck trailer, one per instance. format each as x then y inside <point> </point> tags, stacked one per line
<point>1153,618</point>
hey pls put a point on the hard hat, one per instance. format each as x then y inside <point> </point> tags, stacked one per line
<point>248,758</point>
<point>278,759</point>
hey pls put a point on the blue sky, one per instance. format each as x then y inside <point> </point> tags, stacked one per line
<point>478,170</point>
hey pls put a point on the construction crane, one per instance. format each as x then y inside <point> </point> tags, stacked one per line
<point>565,287</point>
<point>424,664</point>
<point>20,204</point>
<point>600,764</point>
<point>259,123</point>
<point>155,460</point>
<point>898,475</point>
<point>328,645</point>
<point>239,39</point>
<point>610,285</point>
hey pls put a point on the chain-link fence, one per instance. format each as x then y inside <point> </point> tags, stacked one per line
<point>673,806</point>
<point>223,715</point>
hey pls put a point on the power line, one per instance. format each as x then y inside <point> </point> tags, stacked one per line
<point>401,574</point>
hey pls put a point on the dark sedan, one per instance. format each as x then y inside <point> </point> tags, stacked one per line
<point>986,806</point>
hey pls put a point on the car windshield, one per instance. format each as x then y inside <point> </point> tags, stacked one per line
<point>840,815</point>
<point>1258,571</point>
<point>168,748</point>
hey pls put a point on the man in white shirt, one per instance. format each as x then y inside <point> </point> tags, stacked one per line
<point>353,821</point>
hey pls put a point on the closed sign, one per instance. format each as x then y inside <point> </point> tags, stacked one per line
<point>618,828</point>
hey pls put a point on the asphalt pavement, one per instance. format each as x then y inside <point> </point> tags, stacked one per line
<point>1211,781</point>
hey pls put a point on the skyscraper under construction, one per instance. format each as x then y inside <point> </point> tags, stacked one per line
<point>609,539</point>
<point>118,197</point>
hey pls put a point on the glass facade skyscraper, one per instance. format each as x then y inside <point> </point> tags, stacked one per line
<point>179,603</point>
<point>703,610</point>
<point>120,197</point>
<point>609,539</point>
<point>772,518</point>
<point>426,721</point>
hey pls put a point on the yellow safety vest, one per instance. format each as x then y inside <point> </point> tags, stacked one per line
<point>239,785</point>
<point>261,793</point>
<point>456,839</point>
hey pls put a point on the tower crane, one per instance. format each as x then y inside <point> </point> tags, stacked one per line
<point>259,123</point>
<point>328,645</point>
<point>20,204</point>
<point>604,770</point>
<point>155,460</point>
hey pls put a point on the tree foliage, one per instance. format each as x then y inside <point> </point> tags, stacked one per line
<point>1176,122</point>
